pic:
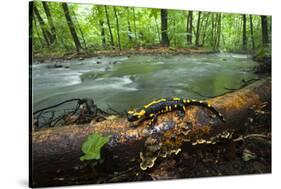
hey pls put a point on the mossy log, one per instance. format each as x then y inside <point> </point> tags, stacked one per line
<point>56,151</point>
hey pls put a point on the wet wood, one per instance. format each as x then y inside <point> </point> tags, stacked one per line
<point>56,151</point>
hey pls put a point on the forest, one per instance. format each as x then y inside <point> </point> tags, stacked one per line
<point>124,94</point>
<point>59,28</point>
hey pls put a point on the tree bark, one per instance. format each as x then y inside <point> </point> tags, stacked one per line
<point>50,20</point>
<point>244,33</point>
<point>205,29</point>
<point>135,26</point>
<point>37,32</point>
<point>109,27</point>
<point>164,28</point>
<point>129,26</point>
<point>157,29</point>
<point>189,27</point>
<point>117,27</point>
<point>71,27</point>
<point>218,31</point>
<point>264,28</point>
<point>198,29</point>
<point>56,151</point>
<point>43,26</point>
<point>252,32</point>
<point>79,28</point>
<point>102,33</point>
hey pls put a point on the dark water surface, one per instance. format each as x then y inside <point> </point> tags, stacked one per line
<point>124,82</point>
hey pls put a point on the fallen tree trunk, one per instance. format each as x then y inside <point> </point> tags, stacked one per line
<point>56,151</point>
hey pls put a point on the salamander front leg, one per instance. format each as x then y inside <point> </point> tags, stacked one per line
<point>153,120</point>
<point>181,112</point>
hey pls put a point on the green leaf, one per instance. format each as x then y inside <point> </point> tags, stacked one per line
<point>92,146</point>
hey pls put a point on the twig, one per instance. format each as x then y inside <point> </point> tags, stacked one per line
<point>250,136</point>
<point>56,105</point>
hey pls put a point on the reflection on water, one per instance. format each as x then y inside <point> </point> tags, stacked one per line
<point>124,82</point>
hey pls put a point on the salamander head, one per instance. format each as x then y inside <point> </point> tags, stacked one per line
<point>134,115</point>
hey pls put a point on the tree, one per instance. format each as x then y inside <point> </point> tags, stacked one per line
<point>117,27</point>
<point>71,27</point>
<point>218,31</point>
<point>50,20</point>
<point>43,26</point>
<point>244,36</point>
<point>164,28</point>
<point>102,32</point>
<point>189,27</point>
<point>205,28</point>
<point>109,27</point>
<point>80,30</point>
<point>252,32</point>
<point>129,25</point>
<point>198,29</point>
<point>265,39</point>
<point>135,26</point>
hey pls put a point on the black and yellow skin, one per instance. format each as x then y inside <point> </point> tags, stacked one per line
<point>163,105</point>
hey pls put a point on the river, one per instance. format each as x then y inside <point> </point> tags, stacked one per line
<point>125,82</point>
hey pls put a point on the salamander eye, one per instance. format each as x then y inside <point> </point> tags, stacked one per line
<point>132,117</point>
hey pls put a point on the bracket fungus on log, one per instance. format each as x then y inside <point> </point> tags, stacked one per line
<point>56,151</point>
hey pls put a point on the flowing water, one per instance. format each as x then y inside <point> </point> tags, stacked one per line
<point>125,82</point>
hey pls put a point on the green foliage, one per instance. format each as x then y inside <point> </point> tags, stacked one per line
<point>141,26</point>
<point>92,146</point>
<point>263,52</point>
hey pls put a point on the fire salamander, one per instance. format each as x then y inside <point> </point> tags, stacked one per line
<point>163,105</point>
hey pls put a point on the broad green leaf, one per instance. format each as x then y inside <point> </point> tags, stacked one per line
<point>92,146</point>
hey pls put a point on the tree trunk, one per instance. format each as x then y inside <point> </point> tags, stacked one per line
<point>205,29</point>
<point>264,28</point>
<point>117,27</point>
<point>43,26</point>
<point>135,27</point>
<point>71,27</point>
<point>218,31</point>
<point>244,35</point>
<point>212,31</point>
<point>252,32</point>
<point>56,151</point>
<point>157,29</point>
<point>129,25</point>
<point>164,28</point>
<point>37,32</point>
<point>198,29</point>
<point>80,30</point>
<point>109,27</point>
<point>50,20</point>
<point>189,27</point>
<point>102,33</point>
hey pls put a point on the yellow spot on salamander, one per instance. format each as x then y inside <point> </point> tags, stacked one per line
<point>154,102</point>
<point>151,115</point>
<point>176,99</point>
<point>188,101</point>
<point>131,112</point>
<point>176,105</point>
<point>167,108</point>
<point>209,105</point>
<point>139,114</point>
<point>201,101</point>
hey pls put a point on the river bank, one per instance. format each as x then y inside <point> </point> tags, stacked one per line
<point>50,57</point>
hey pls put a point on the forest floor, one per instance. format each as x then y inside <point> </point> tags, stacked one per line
<point>49,57</point>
